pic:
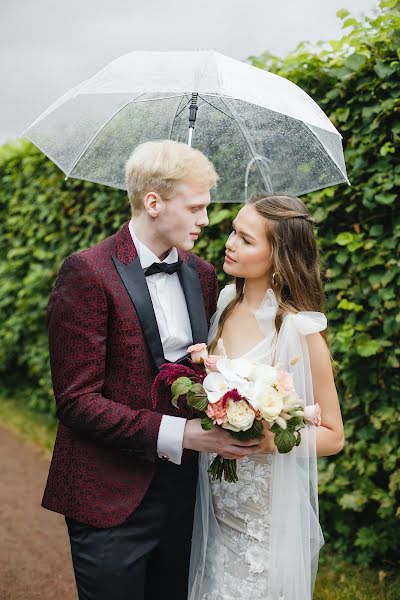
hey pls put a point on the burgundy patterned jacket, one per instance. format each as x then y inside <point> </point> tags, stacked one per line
<point>105,349</point>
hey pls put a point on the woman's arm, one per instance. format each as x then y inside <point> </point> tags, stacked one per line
<point>330,435</point>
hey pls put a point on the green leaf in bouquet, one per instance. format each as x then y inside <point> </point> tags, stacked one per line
<point>253,433</point>
<point>179,388</point>
<point>207,424</point>
<point>284,441</point>
<point>295,423</point>
<point>197,397</point>
<point>275,428</point>
<point>298,439</point>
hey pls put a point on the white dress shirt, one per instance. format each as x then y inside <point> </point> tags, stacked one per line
<point>173,323</point>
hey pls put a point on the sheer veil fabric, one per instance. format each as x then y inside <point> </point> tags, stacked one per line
<point>295,537</point>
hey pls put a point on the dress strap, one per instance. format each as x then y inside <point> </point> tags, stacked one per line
<point>307,322</point>
<point>226,295</point>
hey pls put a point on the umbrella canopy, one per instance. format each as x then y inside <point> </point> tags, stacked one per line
<point>260,130</point>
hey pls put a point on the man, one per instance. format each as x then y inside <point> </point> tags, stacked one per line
<point>122,473</point>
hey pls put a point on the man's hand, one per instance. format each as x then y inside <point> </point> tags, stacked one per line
<point>218,440</point>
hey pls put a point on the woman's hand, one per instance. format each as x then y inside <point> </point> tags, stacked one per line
<point>267,443</point>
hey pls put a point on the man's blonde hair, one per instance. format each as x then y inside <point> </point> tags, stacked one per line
<point>161,166</point>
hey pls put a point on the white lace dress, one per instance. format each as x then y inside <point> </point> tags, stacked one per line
<point>243,512</point>
<point>259,538</point>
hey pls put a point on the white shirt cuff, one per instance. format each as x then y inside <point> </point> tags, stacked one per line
<point>170,438</point>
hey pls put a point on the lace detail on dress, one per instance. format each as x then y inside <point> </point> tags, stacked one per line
<point>244,553</point>
<point>237,562</point>
<point>243,514</point>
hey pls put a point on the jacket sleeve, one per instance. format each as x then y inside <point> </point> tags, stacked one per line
<point>77,327</point>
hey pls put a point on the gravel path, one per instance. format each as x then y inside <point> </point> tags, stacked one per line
<point>35,562</point>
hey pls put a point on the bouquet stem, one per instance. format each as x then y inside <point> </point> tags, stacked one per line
<point>223,466</point>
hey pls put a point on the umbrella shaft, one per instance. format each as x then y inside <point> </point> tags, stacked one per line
<point>190,136</point>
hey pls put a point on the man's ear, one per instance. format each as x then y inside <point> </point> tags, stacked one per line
<point>152,204</point>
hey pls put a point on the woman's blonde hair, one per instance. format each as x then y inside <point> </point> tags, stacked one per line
<point>297,281</point>
<point>161,166</point>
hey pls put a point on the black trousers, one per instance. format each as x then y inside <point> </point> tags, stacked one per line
<point>146,557</point>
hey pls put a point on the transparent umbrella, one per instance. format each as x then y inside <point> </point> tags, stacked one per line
<point>260,130</point>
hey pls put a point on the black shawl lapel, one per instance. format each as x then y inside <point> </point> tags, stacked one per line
<point>135,283</point>
<point>130,270</point>
<point>190,282</point>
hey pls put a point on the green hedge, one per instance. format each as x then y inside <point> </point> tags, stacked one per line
<point>356,81</point>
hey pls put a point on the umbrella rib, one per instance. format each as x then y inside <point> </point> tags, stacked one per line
<point>177,115</point>
<point>179,112</point>
<point>86,148</point>
<point>157,97</point>
<point>216,108</point>
<point>248,142</point>
<point>326,150</point>
<point>183,107</point>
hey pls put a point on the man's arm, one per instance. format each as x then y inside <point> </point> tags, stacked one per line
<point>77,326</point>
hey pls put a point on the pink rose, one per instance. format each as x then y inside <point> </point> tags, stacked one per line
<point>312,414</point>
<point>217,412</point>
<point>284,381</point>
<point>210,362</point>
<point>198,353</point>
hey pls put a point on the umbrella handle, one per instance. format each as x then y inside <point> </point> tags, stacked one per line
<point>192,115</point>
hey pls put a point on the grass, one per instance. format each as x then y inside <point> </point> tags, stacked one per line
<point>337,580</point>
<point>31,426</point>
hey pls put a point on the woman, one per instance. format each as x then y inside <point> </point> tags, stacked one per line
<point>259,539</point>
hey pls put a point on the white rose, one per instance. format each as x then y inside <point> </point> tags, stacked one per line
<point>292,401</point>
<point>240,416</point>
<point>263,373</point>
<point>269,403</point>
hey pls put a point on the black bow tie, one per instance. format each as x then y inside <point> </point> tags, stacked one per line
<point>163,267</point>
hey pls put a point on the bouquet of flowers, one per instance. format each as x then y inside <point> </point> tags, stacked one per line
<point>238,395</point>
